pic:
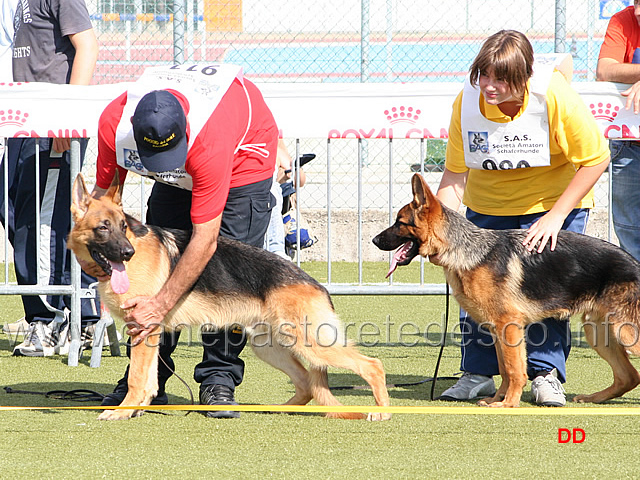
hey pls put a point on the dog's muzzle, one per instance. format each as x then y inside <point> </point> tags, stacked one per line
<point>115,269</point>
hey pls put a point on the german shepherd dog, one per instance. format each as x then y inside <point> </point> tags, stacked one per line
<point>241,285</point>
<point>504,286</point>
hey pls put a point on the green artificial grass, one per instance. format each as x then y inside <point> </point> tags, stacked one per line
<point>73,444</point>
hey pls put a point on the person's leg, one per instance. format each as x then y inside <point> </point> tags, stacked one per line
<point>247,213</point>
<point>245,218</point>
<point>49,265</point>
<point>167,207</point>
<point>60,227</point>
<point>24,238</point>
<point>478,352</point>
<point>549,342</point>
<point>10,156</point>
<point>625,198</point>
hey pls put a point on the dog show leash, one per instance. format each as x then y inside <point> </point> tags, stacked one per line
<point>86,395</point>
<point>77,395</point>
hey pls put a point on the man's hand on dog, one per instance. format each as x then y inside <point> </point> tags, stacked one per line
<point>144,314</point>
<point>545,229</point>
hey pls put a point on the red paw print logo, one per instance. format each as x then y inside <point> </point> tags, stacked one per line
<point>604,111</point>
<point>402,114</point>
<point>13,117</point>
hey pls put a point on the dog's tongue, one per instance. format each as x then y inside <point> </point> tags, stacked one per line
<point>400,255</point>
<point>119,278</point>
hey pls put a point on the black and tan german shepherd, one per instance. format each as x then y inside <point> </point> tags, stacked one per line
<point>503,285</point>
<point>267,295</point>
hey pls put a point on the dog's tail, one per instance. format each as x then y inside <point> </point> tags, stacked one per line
<point>320,390</point>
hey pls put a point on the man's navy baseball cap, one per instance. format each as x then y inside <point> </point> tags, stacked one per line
<point>160,131</point>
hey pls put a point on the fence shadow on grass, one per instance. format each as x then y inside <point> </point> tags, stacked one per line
<point>401,387</point>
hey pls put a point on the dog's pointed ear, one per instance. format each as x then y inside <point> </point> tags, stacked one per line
<point>422,195</point>
<point>115,189</point>
<point>80,198</point>
<point>138,228</point>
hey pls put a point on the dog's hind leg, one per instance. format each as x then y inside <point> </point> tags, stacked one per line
<point>314,333</point>
<point>322,394</point>
<point>142,381</point>
<point>347,357</point>
<point>602,338</point>
<point>281,358</point>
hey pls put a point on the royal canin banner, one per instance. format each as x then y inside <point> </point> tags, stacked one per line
<point>302,110</point>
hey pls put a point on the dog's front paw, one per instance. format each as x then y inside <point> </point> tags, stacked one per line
<point>378,417</point>
<point>485,402</point>
<point>502,404</point>
<point>490,401</point>
<point>120,414</point>
<point>592,398</point>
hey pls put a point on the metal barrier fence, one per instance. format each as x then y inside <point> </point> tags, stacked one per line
<point>74,289</point>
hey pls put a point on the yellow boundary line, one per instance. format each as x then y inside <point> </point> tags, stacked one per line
<point>471,410</point>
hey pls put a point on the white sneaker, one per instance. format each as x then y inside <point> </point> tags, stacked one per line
<point>548,391</point>
<point>63,338</point>
<point>42,340</point>
<point>16,330</point>
<point>470,386</point>
<point>39,342</point>
<point>19,327</point>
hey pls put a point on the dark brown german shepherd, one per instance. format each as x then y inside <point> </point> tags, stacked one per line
<point>270,297</point>
<point>503,285</point>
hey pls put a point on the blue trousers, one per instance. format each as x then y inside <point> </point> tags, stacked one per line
<point>548,342</point>
<point>55,223</point>
<point>625,169</point>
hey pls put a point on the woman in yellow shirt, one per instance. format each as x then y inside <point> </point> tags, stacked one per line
<point>523,152</point>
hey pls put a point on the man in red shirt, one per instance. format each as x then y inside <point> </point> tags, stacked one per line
<point>210,142</point>
<point>619,61</point>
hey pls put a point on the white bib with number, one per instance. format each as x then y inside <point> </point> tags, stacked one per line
<point>203,85</point>
<point>521,143</point>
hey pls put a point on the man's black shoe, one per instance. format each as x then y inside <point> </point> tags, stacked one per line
<point>218,395</point>
<point>116,397</point>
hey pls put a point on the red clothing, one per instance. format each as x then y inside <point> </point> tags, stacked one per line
<point>622,37</point>
<point>211,161</point>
